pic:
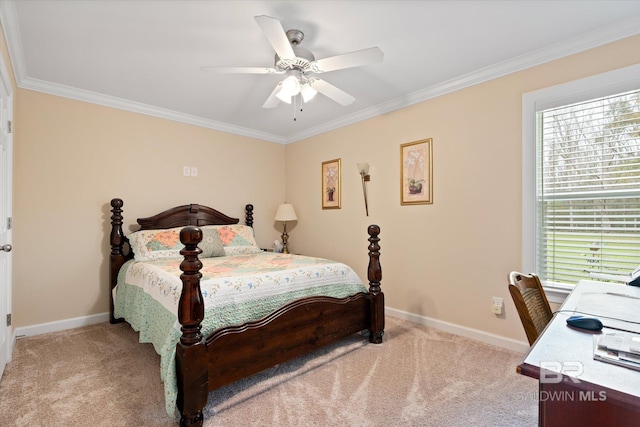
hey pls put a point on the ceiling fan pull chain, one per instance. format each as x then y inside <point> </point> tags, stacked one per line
<point>294,107</point>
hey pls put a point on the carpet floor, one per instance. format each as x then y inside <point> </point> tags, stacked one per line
<point>101,376</point>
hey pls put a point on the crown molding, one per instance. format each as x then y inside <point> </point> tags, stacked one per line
<point>138,107</point>
<point>11,30</point>
<point>617,31</point>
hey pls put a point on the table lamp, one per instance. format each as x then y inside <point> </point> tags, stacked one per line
<point>285,213</point>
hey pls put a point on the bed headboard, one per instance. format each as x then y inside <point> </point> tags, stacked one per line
<point>182,216</point>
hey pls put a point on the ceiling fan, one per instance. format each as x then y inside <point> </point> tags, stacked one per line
<point>300,66</point>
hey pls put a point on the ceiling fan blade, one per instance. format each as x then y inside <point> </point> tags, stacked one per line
<point>348,60</point>
<point>332,92</point>
<point>240,70</point>
<point>273,101</point>
<point>273,31</point>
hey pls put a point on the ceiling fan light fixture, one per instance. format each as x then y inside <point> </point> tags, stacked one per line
<point>290,86</point>
<point>307,92</point>
<point>283,97</point>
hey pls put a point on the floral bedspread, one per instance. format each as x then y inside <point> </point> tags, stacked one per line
<point>236,289</point>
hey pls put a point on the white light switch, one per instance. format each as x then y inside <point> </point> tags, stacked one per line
<point>186,171</point>
<point>496,305</point>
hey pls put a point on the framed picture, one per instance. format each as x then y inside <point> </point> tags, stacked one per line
<point>332,184</point>
<point>416,172</point>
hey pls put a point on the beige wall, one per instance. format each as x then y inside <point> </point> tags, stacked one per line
<point>443,261</point>
<point>72,157</point>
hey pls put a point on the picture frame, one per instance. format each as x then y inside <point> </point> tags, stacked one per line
<point>416,172</point>
<point>332,184</point>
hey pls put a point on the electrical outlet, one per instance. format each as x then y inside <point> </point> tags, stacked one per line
<point>496,306</point>
<point>194,171</point>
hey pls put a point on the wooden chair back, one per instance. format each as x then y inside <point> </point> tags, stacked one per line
<point>531,303</point>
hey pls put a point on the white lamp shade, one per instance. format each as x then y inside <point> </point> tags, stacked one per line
<point>290,87</point>
<point>284,97</point>
<point>363,168</point>
<point>307,92</point>
<point>286,213</point>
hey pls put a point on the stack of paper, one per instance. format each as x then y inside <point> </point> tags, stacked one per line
<point>619,348</point>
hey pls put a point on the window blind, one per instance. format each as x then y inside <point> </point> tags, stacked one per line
<point>588,189</point>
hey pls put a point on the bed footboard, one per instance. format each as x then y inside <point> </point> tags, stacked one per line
<point>232,353</point>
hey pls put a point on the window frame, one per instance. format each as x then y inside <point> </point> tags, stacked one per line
<point>600,85</point>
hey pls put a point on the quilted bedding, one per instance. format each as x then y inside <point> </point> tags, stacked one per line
<point>236,289</point>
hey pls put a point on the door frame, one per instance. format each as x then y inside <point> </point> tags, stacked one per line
<point>6,103</point>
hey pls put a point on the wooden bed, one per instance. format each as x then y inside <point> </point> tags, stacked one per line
<point>228,354</point>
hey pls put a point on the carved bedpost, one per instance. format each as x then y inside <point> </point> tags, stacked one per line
<point>117,258</point>
<point>191,359</point>
<point>248,215</point>
<point>374,272</point>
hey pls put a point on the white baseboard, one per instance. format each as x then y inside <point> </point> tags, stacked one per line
<point>60,325</point>
<point>508,343</point>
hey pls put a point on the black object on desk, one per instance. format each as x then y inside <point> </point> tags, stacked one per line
<point>585,322</point>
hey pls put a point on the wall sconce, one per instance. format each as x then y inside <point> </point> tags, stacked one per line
<point>285,213</point>
<point>363,168</point>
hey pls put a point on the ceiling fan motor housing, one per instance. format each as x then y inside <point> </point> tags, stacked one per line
<point>301,62</point>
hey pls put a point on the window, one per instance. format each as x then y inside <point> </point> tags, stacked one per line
<point>581,178</point>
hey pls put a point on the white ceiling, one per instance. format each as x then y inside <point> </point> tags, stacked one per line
<point>145,56</point>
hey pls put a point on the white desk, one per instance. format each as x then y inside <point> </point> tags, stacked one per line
<point>586,392</point>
